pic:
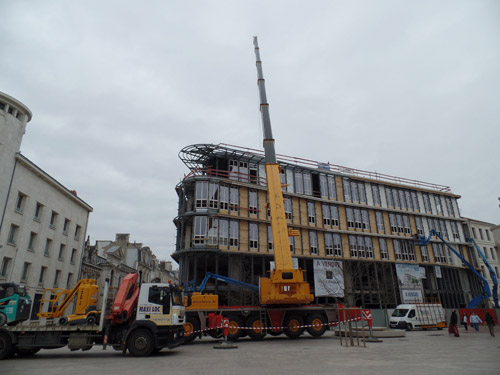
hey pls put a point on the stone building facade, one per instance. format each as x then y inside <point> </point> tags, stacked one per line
<point>43,224</point>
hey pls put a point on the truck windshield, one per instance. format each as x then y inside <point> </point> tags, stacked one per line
<point>176,296</point>
<point>399,313</point>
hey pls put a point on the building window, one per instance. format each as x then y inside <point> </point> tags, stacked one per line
<point>61,252</point>
<point>313,242</point>
<point>224,197</point>
<point>350,217</point>
<point>26,270</point>
<point>48,245</point>
<point>332,187</point>
<point>213,231</point>
<point>21,199</point>
<point>311,213</point>
<point>200,230</point>
<point>449,205</point>
<point>69,281</point>
<point>347,189</point>
<point>213,195</point>
<point>425,253</point>
<point>253,229</point>
<point>307,184</point>
<point>53,220</point>
<point>492,253</point>
<point>384,253</point>
<point>5,267</point>
<point>201,194</point>
<point>439,254</point>
<point>406,224</point>
<point>299,182</point>
<point>404,250</point>
<point>253,206</point>
<point>487,234</point>
<point>328,244</point>
<point>379,218</point>
<point>77,232</point>
<point>38,212</point>
<point>427,203</point>
<point>42,275</point>
<point>454,230</point>
<point>32,241</point>
<point>368,247</point>
<point>66,226</point>
<point>56,278</point>
<point>292,244</point>
<point>288,208</point>
<point>73,255</point>
<point>365,220</point>
<point>234,233</point>
<point>234,199</point>
<point>376,195</point>
<point>439,208</point>
<point>353,246</point>
<point>414,199</point>
<point>323,186</point>
<point>223,232</point>
<point>270,238</point>
<point>14,229</point>
<point>481,234</point>
<point>485,252</point>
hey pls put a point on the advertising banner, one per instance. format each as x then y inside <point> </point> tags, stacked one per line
<point>328,278</point>
<point>410,282</point>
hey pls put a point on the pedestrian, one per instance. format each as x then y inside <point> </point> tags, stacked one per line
<point>475,321</point>
<point>464,322</point>
<point>452,327</point>
<point>491,323</point>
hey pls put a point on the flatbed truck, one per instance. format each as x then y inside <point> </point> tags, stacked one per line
<point>157,323</point>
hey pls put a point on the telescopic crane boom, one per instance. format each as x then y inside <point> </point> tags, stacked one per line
<point>285,284</point>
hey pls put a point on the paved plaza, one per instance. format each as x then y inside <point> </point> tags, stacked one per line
<point>419,352</point>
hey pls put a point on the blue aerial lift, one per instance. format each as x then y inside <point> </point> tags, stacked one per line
<point>493,275</point>
<point>423,241</point>
<point>210,275</point>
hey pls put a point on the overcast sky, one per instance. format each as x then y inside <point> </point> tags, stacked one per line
<point>118,88</point>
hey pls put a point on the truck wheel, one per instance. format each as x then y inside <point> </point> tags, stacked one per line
<point>294,326</point>
<point>141,343</point>
<point>235,330</point>
<point>409,327</point>
<point>316,325</point>
<point>7,348</point>
<point>3,319</point>
<point>256,328</point>
<point>191,326</point>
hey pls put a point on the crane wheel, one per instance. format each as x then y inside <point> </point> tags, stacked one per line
<point>256,330</point>
<point>141,343</point>
<point>235,330</point>
<point>191,326</point>
<point>294,326</point>
<point>316,325</point>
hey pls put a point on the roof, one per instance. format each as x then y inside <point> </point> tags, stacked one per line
<point>197,156</point>
<point>52,181</point>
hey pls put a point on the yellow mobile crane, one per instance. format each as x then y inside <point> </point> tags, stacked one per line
<point>285,298</point>
<point>286,285</point>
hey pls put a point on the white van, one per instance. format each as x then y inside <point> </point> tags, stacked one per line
<point>420,315</point>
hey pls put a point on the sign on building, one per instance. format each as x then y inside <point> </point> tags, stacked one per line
<point>328,278</point>
<point>410,283</point>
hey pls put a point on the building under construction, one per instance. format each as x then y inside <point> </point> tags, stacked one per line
<point>366,221</point>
